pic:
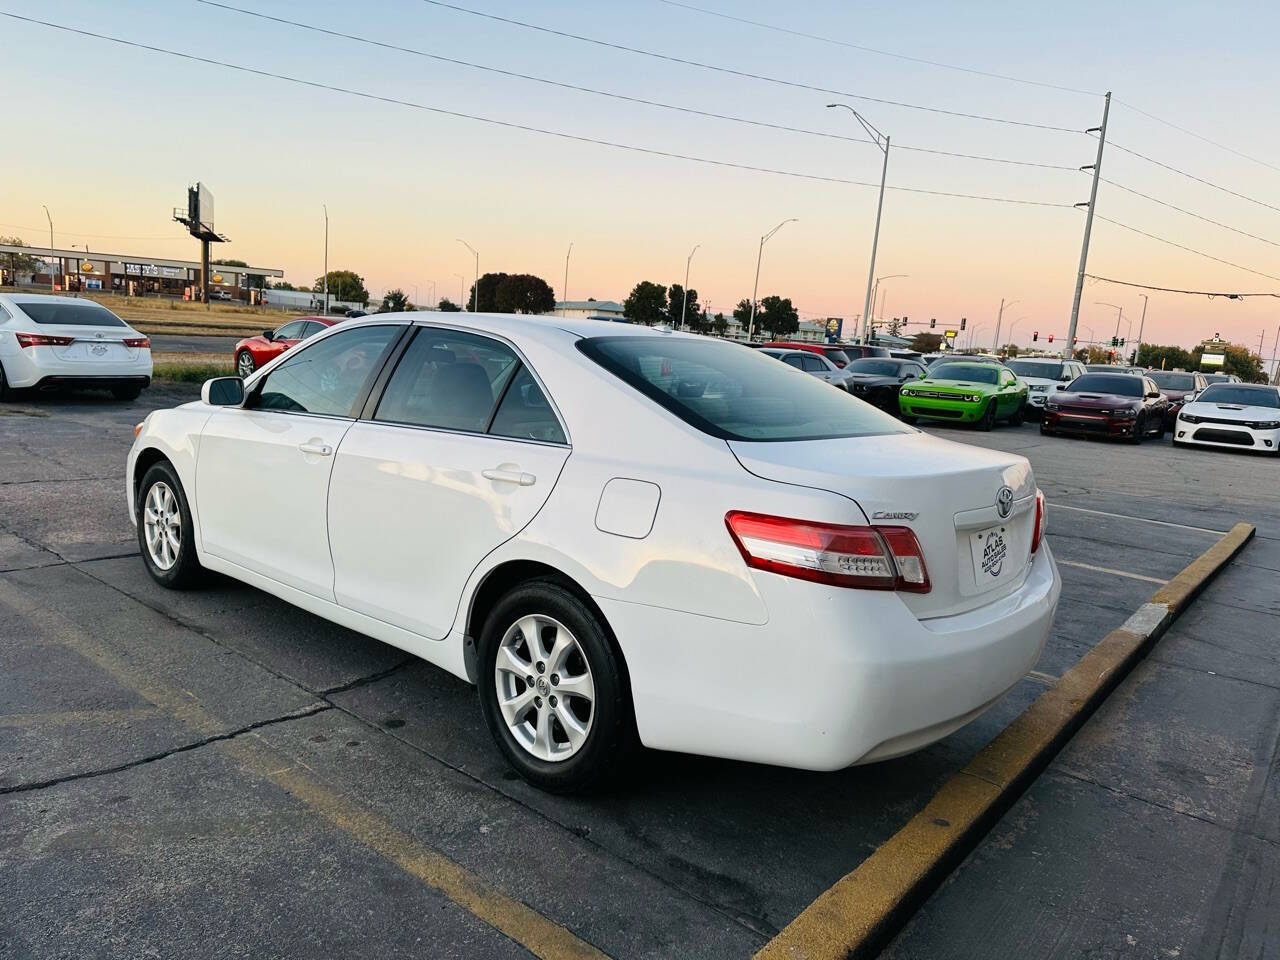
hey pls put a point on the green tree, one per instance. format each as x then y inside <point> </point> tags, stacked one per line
<point>524,293</point>
<point>487,300</point>
<point>448,306</point>
<point>227,263</point>
<point>1165,358</point>
<point>676,305</point>
<point>926,342</point>
<point>647,303</point>
<point>778,316</point>
<point>720,325</point>
<point>742,313</point>
<point>282,285</point>
<point>1010,350</point>
<point>343,285</point>
<point>395,301</point>
<point>16,263</point>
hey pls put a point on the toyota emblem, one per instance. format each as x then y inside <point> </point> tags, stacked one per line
<point>1004,502</point>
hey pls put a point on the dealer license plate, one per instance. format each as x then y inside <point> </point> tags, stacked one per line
<point>992,555</point>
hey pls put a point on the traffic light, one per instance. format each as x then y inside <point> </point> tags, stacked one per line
<point>1035,336</point>
<point>1074,341</point>
<point>1122,341</point>
<point>963,321</point>
<point>1051,338</point>
<point>1115,341</point>
<point>933,322</point>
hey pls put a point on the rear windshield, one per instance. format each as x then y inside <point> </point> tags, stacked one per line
<point>1119,384</point>
<point>1173,381</point>
<point>836,356</point>
<point>735,394</point>
<point>1245,396</point>
<point>76,313</point>
<point>967,372</point>
<point>875,367</point>
<point>1216,377</point>
<point>1044,369</point>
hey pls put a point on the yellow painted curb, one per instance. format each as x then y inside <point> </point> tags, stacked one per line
<point>864,908</point>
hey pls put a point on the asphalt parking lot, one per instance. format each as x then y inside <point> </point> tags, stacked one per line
<point>217,773</point>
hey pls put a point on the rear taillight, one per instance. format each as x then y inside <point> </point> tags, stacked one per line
<point>1037,532</point>
<point>871,558</point>
<point>42,340</point>
<point>137,341</point>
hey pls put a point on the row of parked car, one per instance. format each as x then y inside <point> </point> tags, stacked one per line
<point>1067,396</point>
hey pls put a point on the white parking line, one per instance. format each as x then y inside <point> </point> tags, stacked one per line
<point>1118,573</point>
<point>1125,516</point>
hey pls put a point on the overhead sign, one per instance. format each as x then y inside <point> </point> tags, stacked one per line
<point>1213,359</point>
<point>834,326</point>
<point>949,334</point>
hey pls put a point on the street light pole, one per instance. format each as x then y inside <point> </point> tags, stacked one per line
<point>755,289</point>
<point>871,323</point>
<point>1119,316</point>
<point>326,259</point>
<point>1141,323</point>
<point>462,290</point>
<point>475,293</point>
<point>995,347</point>
<point>52,288</point>
<point>564,299</point>
<point>1274,348</point>
<point>882,142</point>
<point>1088,223</point>
<point>1011,326</point>
<point>685,304</point>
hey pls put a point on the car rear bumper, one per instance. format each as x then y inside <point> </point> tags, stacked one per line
<point>961,410</point>
<point>91,383</point>
<point>39,367</point>
<point>835,677</point>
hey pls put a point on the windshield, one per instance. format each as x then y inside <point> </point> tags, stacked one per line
<point>968,372</point>
<point>1173,381</point>
<point>74,313</point>
<point>1044,369</point>
<point>875,367</point>
<point>735,394</point>
<point>1118,384</point>
<point>1216,377</point>
<point>1243,395</point>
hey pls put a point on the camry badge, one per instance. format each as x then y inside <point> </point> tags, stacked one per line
<point>894,515</point>
<point>1004,502</point>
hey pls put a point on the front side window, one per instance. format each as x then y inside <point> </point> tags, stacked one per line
<point>311,328</point>
<point>291,331</point>
<point>327,377</point>
<point>72,313</point>
<point>795,360</point>
<point>734,394</point>
<point>449,380</point>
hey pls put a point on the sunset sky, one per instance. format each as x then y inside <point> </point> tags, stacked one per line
<point>109,137</point>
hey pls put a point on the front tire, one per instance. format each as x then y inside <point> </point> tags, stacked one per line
<point>988,420</point>
<point>165,532</point>
<point>1020,415</point>
<point>552,688</point>
<point>1139,429</point>
<point>244,364</point>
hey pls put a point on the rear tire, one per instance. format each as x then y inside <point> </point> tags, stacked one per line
<point>518,713</point>
<point>988,420</point>
<point>1045,431</point>
<point>1020,415</point>
<point>244,364</point>
<point>163,518</point>
<point>6,392</point>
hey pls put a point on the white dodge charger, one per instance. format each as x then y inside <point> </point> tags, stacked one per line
<point>617,534</point>
<point>48,341</point>
<point>1240,416</point>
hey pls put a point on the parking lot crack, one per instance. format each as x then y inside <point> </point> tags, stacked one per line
<point>164,754</point>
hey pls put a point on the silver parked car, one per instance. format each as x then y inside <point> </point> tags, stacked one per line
<point>812,363</point>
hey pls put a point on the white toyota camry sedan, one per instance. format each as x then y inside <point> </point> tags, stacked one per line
<point>48,341</point>
<point>617,534</point>
<point>1238,416</point>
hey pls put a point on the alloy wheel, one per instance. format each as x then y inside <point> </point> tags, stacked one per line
<point>162,525</point>
<point>244,364</point>
<point>546,693</point>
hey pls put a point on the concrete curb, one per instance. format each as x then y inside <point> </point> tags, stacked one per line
<point>866,908</point>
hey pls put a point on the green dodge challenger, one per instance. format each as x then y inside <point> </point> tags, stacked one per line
<point>971,391</point>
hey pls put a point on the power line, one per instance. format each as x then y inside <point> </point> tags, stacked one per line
<point>616,96</point>
<point>1198,136</point>
<point>73,233</point>
<point>517,126</point>
<point>1199,253</point>
<point>1195,293</point>
<point>1171,206</point>
<point>882,53</point>
<point>1190,176</point>
<point>795,84</point>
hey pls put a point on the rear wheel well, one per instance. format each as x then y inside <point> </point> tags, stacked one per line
<point>506,576</point>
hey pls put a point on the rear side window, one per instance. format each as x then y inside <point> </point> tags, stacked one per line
<point>735,394</point>
<point>795,360</point>
<point>291,331</point>
<point>76,313</point>
<point>311,329</point>
<point>525,414</point>
<point>813,365</point>
<point>328,376</point>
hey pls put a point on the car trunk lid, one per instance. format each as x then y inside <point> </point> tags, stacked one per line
<point>946,493</point>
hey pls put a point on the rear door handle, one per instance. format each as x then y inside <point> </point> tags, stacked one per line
<point>510,476</point>
<point>318,449</point>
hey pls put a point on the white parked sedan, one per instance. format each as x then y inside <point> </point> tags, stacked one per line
<point>48,341</point>
<point>616,534</point>
<point>1241,416</point>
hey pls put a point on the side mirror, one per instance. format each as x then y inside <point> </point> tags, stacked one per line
<point>1061,386</point>
<point>223,392</point>
<point>1153,396</point>
<point>270,335</point>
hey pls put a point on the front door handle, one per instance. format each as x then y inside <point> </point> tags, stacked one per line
<point>509,476</point>
<point>317,449</point>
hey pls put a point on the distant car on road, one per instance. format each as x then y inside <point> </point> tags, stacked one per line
<point>1179,388</point>
<point>1042,375</point>
<point>254,352</point>
<point>1116,405</point>
<point>48,341</point>
<point>877,380</point>
<point>814,364</point>
<point>974,391</point>
<point>220,295</point>
<point>1241,416</point>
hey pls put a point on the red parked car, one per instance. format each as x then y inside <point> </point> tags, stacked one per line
<point>253,352</point>
<point>1107,405</point>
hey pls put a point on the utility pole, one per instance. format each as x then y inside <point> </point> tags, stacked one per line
<point>1274,347</point>
<point>1088,224</point>
<point>475,293</point>
<point>881,141</point>
<point>685,304</point>
<point>326,258</point>
<point>565,290</point>
<point>462,290</point>
<point>755,289</point>
<point>1141,323</point>
<point>52,288</point>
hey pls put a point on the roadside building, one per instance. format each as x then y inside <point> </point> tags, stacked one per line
<point>589,309</point>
